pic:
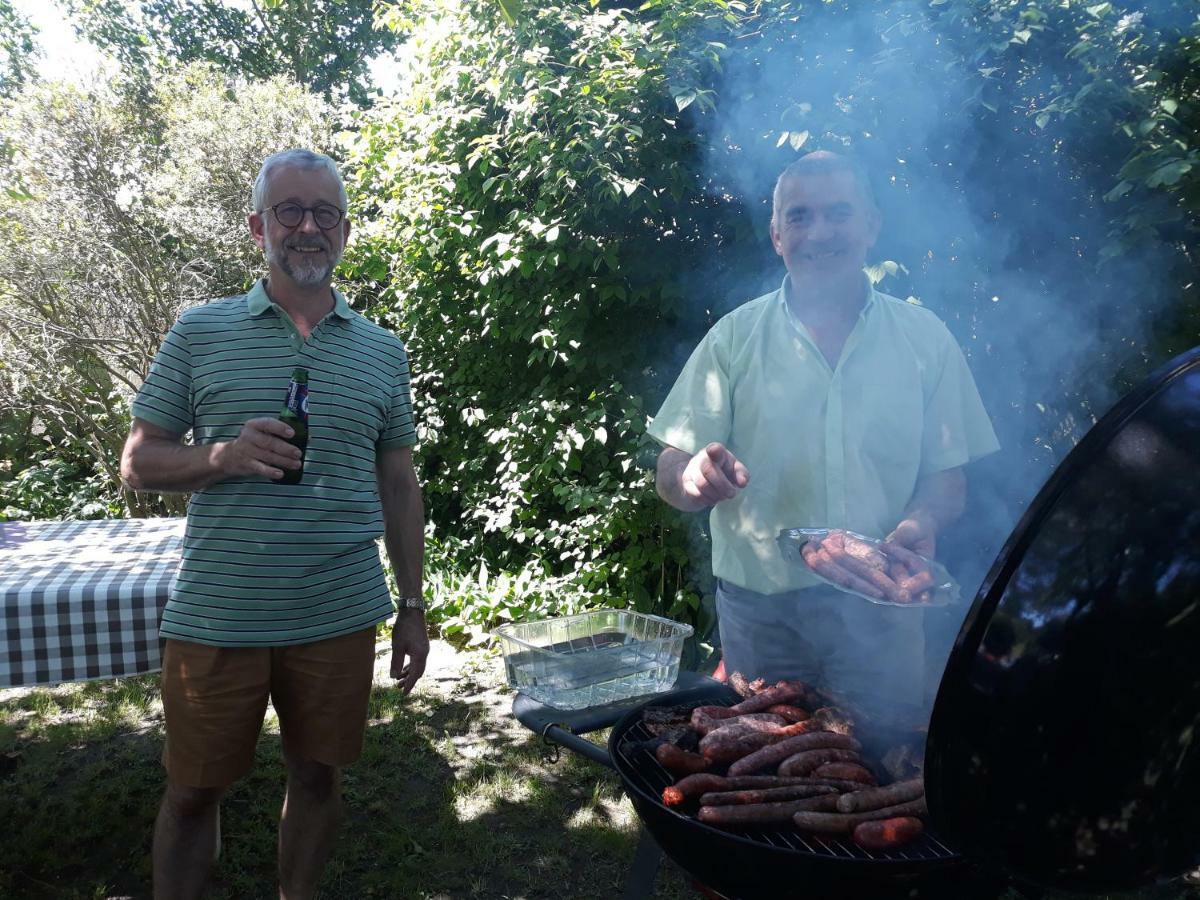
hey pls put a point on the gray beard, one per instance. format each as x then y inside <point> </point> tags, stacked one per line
<point>307,273</point>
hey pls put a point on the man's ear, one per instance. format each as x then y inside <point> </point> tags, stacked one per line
<point>256,223</point>
<point>775,238</point>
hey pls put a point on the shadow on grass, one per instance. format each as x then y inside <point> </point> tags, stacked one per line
<point>448,800</point>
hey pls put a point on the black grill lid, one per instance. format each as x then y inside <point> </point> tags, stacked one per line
<point>1064,741</point>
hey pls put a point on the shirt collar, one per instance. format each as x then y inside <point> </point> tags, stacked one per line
<point>786,287</point>
<point>258,302</point>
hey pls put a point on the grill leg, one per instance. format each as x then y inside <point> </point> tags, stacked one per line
<point>639,882</point>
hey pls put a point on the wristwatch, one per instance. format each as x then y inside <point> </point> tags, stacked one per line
<point>410,603</point>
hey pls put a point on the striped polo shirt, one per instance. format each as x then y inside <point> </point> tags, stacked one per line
<point>264,563</point>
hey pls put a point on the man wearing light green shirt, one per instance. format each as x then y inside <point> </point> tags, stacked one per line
<point>823,404</point>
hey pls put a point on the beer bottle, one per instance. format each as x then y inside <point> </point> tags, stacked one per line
<point>295,414</point>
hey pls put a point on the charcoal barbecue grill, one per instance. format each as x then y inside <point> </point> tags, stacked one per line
<point>1064,746</point>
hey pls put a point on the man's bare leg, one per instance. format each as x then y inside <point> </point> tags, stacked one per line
<point>312,812</point>
<point>185,840</point>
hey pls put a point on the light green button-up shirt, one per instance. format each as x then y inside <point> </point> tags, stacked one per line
<point>825,448</point>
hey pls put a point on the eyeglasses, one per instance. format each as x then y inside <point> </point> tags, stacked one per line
<point>290,215</point>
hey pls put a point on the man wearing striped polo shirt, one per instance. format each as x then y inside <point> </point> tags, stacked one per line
<point>280,588</point>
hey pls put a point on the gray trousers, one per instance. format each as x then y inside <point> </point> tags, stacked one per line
<point>872,655</point>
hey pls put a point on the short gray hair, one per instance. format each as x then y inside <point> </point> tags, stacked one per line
<point>301,159</point>
<point>824,162</point>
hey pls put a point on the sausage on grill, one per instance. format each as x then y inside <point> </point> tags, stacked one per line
<point>777,752</point>
<point>790,713</point>
<point>723,746</point>
<point>888,833</point>
<point>763,813</point>
<point>753,721</point>
<point>695,785</point>
<point>828,822</point>
<point>681,762</point>
<point>846,771</point>
<point>880,797</point>
<point>805,762</point>
<point>765,795</point>
<point>783,692</point>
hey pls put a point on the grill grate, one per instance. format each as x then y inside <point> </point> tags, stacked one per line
<point>651,777</point>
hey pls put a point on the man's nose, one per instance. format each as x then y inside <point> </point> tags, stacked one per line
<point>308,224</point>
<point>820,228</point>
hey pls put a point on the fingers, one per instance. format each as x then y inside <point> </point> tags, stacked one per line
<point>714,474</point>
<point>270,426</point>
<point>410,672</point>
<point>912,560</point>
<point>264,450</point>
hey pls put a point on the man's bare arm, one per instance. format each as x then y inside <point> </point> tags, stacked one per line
<point>155,459</point>
<point>404,537</point>
<point>692,483</point>
<point>937,503</point>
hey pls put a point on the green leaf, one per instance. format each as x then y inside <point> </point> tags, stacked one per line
<point>552,234</point>
<point>1169,105</point>
<point>1042,119</point>
<point>1021,37</point>
<point>1169,174</point>
<point>1122,188</point>
<point>684,100</point>
<point>510,9</point>
<point>797,139</point>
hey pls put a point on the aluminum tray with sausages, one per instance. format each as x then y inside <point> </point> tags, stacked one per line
<point>879,571</point>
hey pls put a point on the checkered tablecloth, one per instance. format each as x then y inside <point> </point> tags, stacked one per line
<point>82,600</point>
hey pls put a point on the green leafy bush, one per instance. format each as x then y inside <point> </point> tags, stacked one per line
<point>557,207</point>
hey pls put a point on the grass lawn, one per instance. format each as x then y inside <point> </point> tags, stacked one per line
<point>452,798</point>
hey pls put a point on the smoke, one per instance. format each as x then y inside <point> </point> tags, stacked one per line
<point>995,216</point>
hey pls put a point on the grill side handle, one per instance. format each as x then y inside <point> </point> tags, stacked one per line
<point>559,735</point>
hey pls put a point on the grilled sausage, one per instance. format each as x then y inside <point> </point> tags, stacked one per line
<point>765,795</point>
<point>681,762</point>
<point>771,756</point>
<point>917,583</point>
<point>807,761</point>
<point>745,688</point>
<point>790,713</point>
<point>830,718</point>
<point>763,813</point>
<point>822,563</point>
<point>783,692</point>
<point>825,822</point>
<point>722,746</point>
<point>888,833</point>
<point>846,771</point>
<point>753,722</point>
<point>880,797</point>
<point>861,559</point>
<point>696,785</point>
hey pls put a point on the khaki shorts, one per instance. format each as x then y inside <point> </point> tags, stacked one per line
<point>215,698</point>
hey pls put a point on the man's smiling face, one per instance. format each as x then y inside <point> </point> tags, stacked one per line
<point>305,254</point>
<point>823,226</point>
